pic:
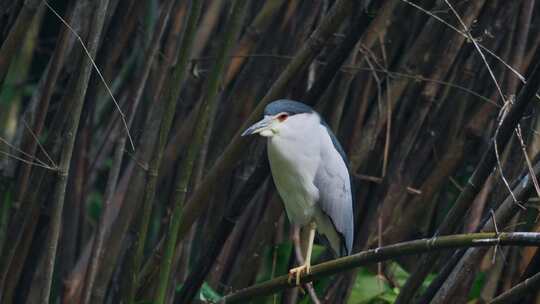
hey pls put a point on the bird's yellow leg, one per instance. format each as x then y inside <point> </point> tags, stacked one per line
<point>312,229</point>
<point>306,267</point>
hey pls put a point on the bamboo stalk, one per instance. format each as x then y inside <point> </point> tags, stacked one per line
<point>17,34</point>
<point>445,284</point>
<point>67,149</point>
<point>158,123</point>
<point>482,171</point>
<point>370,256</point>
<point>25,220</point>
<point>431,98</point>
<point>221,234</point>
<point>358,26</point>
<point>467,265</point>
<point>97,248</point>
<point>19,67</point>
<point>206,113</point>
<point>253,33</point>
<point>29,143</point>
<point>132,270</point>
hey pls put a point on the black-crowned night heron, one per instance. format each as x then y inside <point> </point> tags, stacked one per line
<point>310,172</point>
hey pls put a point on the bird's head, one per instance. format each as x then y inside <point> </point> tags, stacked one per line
<point>278,115</point>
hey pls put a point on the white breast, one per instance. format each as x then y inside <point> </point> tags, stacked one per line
<point>294,155</point>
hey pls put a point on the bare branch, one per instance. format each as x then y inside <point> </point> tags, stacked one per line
<point>387,253</point>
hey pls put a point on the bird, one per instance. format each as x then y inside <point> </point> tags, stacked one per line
<point>311,174</point>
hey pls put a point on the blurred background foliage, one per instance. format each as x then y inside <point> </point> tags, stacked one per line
<point>189,209</point>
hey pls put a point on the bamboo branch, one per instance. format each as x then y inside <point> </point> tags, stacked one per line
<point>387,253</point>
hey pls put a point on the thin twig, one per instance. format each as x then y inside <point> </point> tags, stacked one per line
<point>27,161</point>
<point>455,183</point>
<point>371,68</point>
<point>42,163</point>
<point>502,115</point>
<point>39,143</point>
<point>379,180</point>
<point>506,103</point>
<point>492,213</point>
<point>521,77</point>
<point>378,81</point>
<point>507,65</point>
<point>109,91</point>
<point>415,191</point>
<point>388,112</point>
<point>528,160</point>
<point>476,45</point>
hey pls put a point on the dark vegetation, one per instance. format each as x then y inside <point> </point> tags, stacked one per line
<point>132,185</point>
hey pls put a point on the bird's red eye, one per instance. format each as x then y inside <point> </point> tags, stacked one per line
<point>281,117</point>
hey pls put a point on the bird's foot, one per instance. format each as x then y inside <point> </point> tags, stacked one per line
<point>298,271</point>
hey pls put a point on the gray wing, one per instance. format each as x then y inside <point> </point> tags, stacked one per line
<point>335,196</point>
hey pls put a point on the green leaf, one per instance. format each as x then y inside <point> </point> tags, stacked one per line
<point>389,297</point>
<point>399,274</point>
<point>477,286</point>
<point>95,205</point>
<point>367,288</point>
<point>317,251</point>
<point>207,294</point>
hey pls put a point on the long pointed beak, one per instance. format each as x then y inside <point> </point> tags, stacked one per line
<point>259,126</point>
